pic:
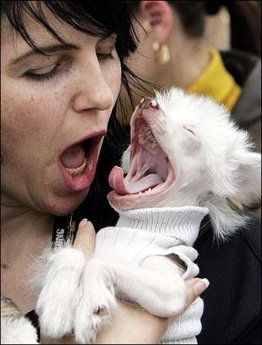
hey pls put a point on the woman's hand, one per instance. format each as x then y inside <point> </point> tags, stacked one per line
<point>131,325</point>
<point>85,238</point>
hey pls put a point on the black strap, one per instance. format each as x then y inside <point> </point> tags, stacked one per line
<point>33,317</point>
<point>64,231</point>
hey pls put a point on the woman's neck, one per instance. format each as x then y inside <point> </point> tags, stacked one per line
<point>24,236</point>
<point>189,62</point>
<point>21,222</point>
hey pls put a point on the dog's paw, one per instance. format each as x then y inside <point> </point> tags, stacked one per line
<point>95,302</point>
<point>57,300</point>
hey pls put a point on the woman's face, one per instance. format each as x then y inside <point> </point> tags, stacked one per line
<point>54,115</point>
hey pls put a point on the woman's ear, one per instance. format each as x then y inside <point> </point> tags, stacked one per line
<point>158,16</point>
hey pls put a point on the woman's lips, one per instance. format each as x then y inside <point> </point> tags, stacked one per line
<point>78,162</point>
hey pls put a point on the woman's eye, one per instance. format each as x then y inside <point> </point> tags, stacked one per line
<point>106,53</point>
<point>106,56</point>
<point>42,74</point>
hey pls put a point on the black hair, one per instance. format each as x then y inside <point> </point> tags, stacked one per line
<point>97,19</point>
<point>92,17</point>
<point>245,20</point>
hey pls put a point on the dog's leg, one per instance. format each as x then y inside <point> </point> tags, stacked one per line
<point>95,300</point>
<point>158,288</point>
<point>57,299</point>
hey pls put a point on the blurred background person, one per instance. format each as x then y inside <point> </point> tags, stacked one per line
<point>176,49</point>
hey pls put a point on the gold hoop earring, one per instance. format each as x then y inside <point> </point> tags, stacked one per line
<point>162,53</point>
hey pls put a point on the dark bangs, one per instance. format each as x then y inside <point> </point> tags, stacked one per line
<point>92,17</point>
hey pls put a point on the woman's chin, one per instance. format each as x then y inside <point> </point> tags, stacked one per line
<point>67,204</point>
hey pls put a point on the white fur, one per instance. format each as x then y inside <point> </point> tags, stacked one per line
<point>15,327</point>
<point>213,165</point>
<point>19,331</point>
<point>57,300</point>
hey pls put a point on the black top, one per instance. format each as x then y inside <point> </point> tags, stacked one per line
<point>232,302</point>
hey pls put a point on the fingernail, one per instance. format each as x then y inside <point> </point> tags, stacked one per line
<point>83,222</point>
<point>201,285</point>
<point>206,282</point>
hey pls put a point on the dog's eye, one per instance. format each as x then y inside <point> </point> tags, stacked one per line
<point>189,129</point>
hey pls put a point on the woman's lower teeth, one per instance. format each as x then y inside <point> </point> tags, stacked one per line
<point>78,170</point>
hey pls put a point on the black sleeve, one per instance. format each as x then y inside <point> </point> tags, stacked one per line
<point>232,312</point>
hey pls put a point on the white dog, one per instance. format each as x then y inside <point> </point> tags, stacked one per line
<point>187,159</point>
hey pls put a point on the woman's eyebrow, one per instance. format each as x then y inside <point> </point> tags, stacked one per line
<point>49,49</point>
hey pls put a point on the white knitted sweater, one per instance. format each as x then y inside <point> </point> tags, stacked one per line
<point>142,233</point>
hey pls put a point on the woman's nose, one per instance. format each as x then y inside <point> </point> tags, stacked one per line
<point>92,91</point>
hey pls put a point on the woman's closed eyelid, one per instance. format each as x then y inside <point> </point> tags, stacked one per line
<point>48,71</point>
<point>108,53</point>
<point>189,129</point>
<point>104,50</point>
<point>35,75</point>
<point>107,44</point>
<point>104,56</point>
<point>43,69</point>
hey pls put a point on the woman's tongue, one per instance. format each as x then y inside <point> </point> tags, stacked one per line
<point>74,159</point>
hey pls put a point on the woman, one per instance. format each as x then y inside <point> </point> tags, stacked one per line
<point>62,68</point>
<point>173,52</point>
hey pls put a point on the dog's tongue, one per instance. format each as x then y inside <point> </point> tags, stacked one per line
<point>121,187</point>
<point>73,157</point>
<point>116,180</point>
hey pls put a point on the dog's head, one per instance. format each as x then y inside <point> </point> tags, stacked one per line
<point>187,151</point>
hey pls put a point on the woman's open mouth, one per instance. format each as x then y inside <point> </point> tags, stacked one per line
<point>78,162</point>
<point>74,158</point>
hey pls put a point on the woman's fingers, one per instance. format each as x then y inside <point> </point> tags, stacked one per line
<point>85,238</point>
<point>195,287</point>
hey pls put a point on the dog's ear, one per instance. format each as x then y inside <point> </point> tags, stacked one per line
<point>248,180</point>
<point>227,212</point>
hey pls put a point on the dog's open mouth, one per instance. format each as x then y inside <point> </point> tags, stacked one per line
<point>149,164</point>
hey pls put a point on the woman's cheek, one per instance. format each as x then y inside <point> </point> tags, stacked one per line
<point>114,78</point>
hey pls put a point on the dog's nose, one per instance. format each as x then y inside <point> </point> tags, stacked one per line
<point>148,102</point>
